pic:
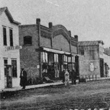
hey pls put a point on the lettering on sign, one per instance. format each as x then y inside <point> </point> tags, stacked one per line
<point>12,48</point>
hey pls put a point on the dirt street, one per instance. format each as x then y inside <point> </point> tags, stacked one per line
<point>81,96</point>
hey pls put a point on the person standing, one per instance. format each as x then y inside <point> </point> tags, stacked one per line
<point>66,78</point>
<point>73,76</point>
<point>23,78</point>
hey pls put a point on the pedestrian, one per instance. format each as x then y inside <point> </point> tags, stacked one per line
<point>73,76</point>
<point>23,78</point>
<point>63,76</point>
<point>66,77</point>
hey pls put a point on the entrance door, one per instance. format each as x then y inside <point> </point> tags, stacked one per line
<point>101,67</point>
<point>8,76</point>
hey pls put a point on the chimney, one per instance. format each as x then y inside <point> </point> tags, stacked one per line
<point>69,33</point>
<point>76,37</point>
<point>50,24</point>
<point>38,21</point>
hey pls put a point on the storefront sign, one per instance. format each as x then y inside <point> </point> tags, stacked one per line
<point>12,48</point>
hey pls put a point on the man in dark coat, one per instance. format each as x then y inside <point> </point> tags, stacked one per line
<point>23,77</point>
<point>73,76</point>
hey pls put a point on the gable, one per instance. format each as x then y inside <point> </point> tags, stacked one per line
<point>8,14</point>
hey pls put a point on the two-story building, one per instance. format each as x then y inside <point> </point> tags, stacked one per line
<point>9,50</point>
<point>47,50</point>
<point>91,61</point>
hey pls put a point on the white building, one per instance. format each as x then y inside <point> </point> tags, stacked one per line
<point>9,50</point>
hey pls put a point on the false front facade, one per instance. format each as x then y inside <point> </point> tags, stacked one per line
<point>9,50</point>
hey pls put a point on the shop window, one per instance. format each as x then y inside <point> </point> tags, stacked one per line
<point>11,37</point>
<point>55,57</point>
<point>44,57</point>
<point>4,36</point>
<point>14,67</point>
<point>69,59</point>
<point>27,40</point>
<point>65,58</point>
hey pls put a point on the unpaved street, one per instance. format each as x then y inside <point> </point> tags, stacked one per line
<point>85,95</point>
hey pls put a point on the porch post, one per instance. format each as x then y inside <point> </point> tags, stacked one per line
<point>39,45</point>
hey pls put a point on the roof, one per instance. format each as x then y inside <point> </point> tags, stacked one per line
<point>107,51</point>
<point>5,9</point>
<point>88,43</point>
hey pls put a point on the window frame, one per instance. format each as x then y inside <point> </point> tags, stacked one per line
<point>4,35</point>
<point>14,72</point>
<point>11,36</point>
<point>26,40</point>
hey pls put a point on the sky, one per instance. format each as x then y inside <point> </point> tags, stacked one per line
<point>89,19</point>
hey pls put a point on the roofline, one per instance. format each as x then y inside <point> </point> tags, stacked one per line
<point>10,16</point>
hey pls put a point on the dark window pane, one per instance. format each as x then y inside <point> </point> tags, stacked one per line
<point>14,68</point>
<point>27,40</point>
<point>4,36</point>
<point>11,37</point>
<point>5,63</point>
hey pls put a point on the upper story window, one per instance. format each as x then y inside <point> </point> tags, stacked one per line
<point>27,40</point>
<point>92,54</point>
<point>4,36</point>
<point>11,37</point>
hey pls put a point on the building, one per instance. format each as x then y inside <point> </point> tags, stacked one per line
<point>46,50</point>
<point>92,60</point>
<point>9,50</point>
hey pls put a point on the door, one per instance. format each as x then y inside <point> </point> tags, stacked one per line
<point>101,67</point>
<point>8,76</point>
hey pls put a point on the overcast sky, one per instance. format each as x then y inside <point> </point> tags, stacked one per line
<point>89,19</point>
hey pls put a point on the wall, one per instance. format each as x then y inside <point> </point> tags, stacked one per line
<point>29,54</point>
<point>61,43</point>
<point>89,62</point>
<point>9,54</point>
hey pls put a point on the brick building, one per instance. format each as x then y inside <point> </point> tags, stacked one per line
<point>9,50</point>
<point>92,59</point>
<point>46,49</point>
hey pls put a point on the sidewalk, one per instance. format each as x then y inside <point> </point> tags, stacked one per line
<point>31,87</point>
<point>44,85</point>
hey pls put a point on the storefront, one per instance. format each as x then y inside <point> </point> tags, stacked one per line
<point>49,50</point>
<point>53,62</point>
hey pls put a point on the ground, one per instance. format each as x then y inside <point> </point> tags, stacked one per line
<point>94,94</point>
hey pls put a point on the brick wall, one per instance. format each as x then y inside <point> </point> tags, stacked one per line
<point>28,55</point>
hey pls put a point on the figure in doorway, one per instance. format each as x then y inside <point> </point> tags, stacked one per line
<point>23,78</point>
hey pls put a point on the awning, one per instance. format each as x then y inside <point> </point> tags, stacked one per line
<point>52,50</point>
<point>56,51</point>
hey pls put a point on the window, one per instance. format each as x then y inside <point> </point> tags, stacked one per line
<point>92,54</point>
<point>5,63</point>
<point>65,58</point>
<point>14,67</point>
<point>55,57</point>
<point>27,40</point>
<point>4,36</point>
<point>69,59</point>
<point>44,57</point>
<point>11,37</point>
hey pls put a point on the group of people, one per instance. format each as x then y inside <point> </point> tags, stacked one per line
<point>67,75</point>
